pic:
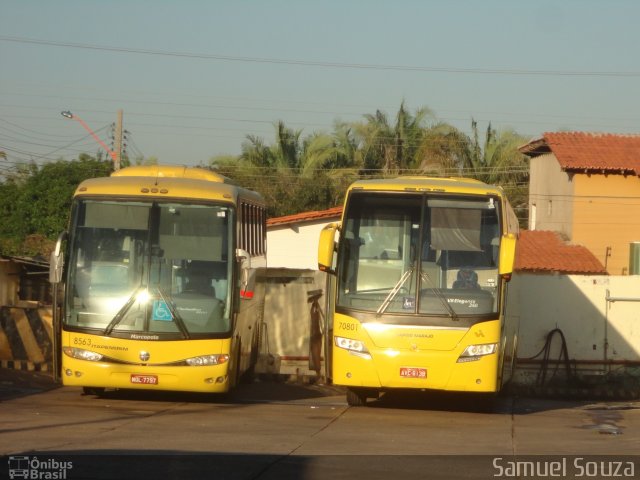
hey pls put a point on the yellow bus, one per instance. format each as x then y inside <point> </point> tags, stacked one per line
<point>160,281</point>
<point>421,272</point>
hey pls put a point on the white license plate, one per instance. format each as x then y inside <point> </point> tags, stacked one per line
<point>413,372</point>
<point>144,379</point>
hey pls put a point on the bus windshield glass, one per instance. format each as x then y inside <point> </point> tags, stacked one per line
<point>420,255</point>
<point>150,268</point>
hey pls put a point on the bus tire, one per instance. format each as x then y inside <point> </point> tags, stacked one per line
<point>234,371</point>
<point>97,391</point>
<point>485,402</point>
<point>250,373</point>
<point>356,397</point>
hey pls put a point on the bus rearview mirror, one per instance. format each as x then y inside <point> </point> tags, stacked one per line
<point>327,248</point>
<point>507,254</point>
<point>56,260</point>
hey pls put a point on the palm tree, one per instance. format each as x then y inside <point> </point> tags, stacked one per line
<point>335,153</point>
<point>499,161</point>
<point>442,150</point>
<point>391,148</point>
<point>287,148</point>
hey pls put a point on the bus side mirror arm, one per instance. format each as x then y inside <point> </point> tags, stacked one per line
<point>56,260</point>
<point>244,262</point>
<point>327,246</point>
<point>243,258</point>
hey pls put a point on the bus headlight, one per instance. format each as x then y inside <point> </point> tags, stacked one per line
<point>206,360</point>
<point>82,354</point>
<point>474,352</point>
<point>355,347</point>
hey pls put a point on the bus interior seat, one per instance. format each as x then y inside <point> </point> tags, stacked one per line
<point>198,282</point>
<point>467,279</point>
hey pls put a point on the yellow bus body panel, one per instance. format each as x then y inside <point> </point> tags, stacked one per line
<point>417,184</point>
<point>112,374</point>
<point>174,183</point>
<point>434,349</point>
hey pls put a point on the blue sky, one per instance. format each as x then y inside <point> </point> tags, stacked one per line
<point>193,78</point>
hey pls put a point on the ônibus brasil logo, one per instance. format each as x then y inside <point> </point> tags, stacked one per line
<point>38,469</point>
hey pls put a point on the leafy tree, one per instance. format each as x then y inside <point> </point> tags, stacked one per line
<point>442,151</point>
<point>296,173</point>
<point>498,161</point>
<point>36,201</point>
<point>391,148</point>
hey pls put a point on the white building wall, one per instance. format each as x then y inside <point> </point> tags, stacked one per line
<point>601,335</point>
<point>294,246</point>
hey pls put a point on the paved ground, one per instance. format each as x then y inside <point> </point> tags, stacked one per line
<point>268,430</point>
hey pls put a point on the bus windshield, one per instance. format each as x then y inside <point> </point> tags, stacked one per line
<point>419,255</point>
<point>141,268</point>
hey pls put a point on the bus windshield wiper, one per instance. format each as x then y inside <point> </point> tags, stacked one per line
<point>438,293</point>
<point>394,291</point>
<point>122,312</point>
<point>174,314</point>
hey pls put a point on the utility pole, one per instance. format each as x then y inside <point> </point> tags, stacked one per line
<point>117,142</point>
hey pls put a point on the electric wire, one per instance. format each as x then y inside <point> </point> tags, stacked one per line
<point>329,64</point>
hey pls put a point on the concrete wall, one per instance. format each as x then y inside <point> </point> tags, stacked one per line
<point>602,335</point>
<point>550,196</point>
<point>290,328</point>
<point>26,338</point>
<point>294,246</point>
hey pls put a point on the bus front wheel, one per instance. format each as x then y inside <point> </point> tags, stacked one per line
<point>357,397</point>
<point>97,391</point>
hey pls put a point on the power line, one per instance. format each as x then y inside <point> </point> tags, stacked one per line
<point>47,156</point>
<point>280,61</point>
<point>31,131</point>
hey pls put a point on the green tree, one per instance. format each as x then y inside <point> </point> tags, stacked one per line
<point>391,148</point>
<point>498,161</point>
<point>293,174</point>
<point>36,200</point>
<point>442,151</point>
<point>296,173</point>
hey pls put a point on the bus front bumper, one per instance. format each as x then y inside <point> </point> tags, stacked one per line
<point>209,379</point>
<point>429,370</point>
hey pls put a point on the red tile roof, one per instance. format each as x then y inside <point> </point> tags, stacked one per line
<point>334,212</point>
<point>599,152</point>
<point>544,251</point>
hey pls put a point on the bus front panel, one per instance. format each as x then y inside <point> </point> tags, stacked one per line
<point>379,356</point>
<point>105,362</point>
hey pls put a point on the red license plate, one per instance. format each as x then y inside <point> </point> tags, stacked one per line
<point>144,379</point>
<point>413,372</point>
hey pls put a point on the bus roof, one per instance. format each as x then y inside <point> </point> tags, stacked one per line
<point>417,183</point>
<point>171,171</point>
<point>176,182</point>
